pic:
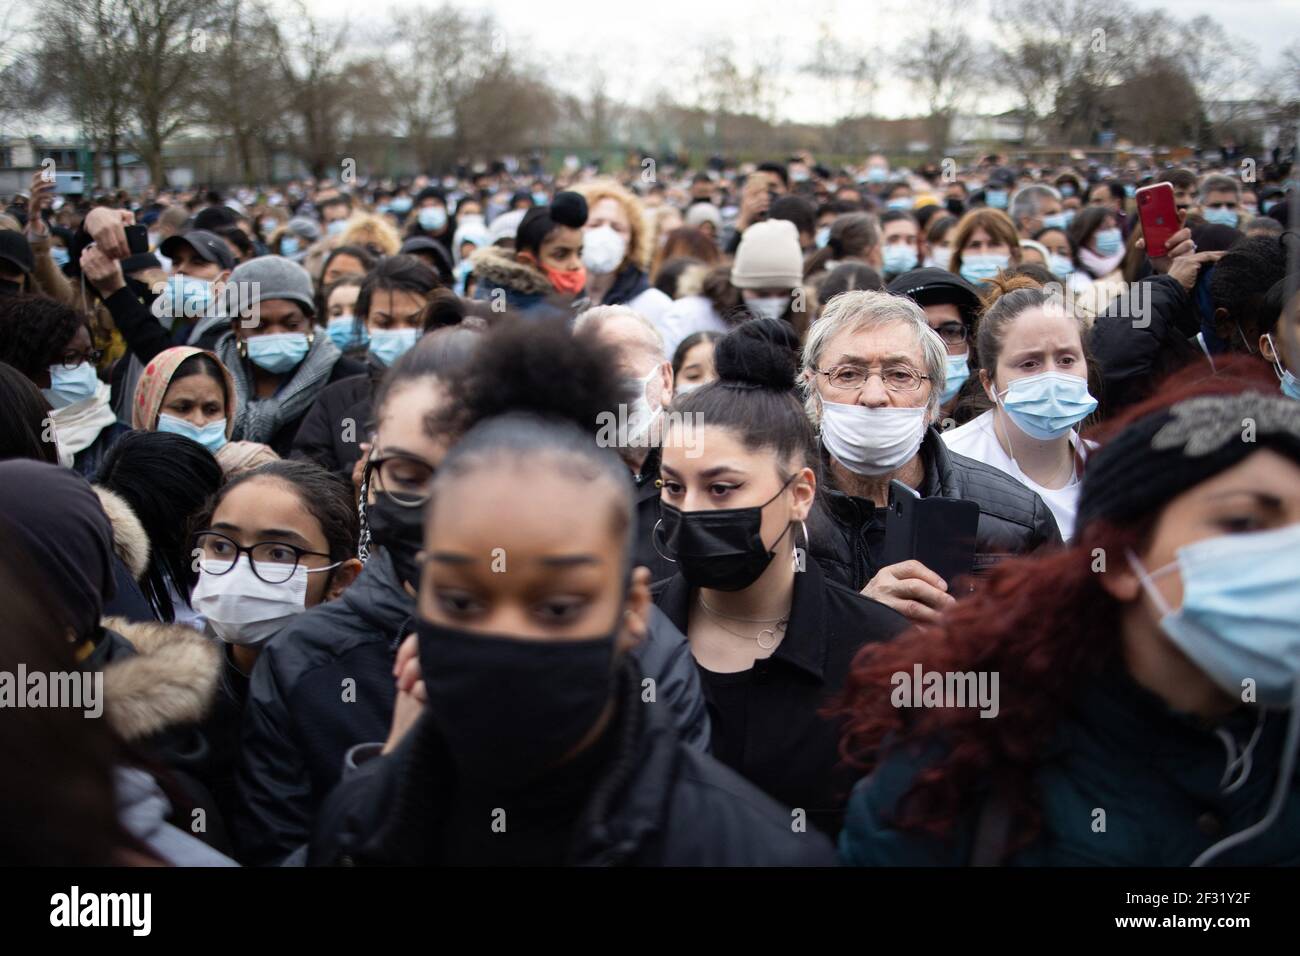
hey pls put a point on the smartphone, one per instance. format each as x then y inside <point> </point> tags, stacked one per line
<point>1159,217</point>
<point>69,184</point>
<point>938,532</point>
<point>137,239</point>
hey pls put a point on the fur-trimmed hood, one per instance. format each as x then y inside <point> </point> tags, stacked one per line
<point>499,267</point>
<point>170,680</point>
<point>130,543</point>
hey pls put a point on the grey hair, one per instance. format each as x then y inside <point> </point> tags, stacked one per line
<point>1219,184</point>
<point>1026,203</point>
<point>594,318</point>
<point>864,309</point>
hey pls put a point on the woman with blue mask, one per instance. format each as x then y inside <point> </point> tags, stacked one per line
<point>1060,258</point>
<point>340,313</point>
<point>430,218</point>
<point>1279,342</point>
<point>280,360</point>
<point>984,243</point>
<point>1099,243</point>
<point>50,343</point>
<point>1148,711</point>
<point>390,312</point>
<point>187,391</point>
<point>1034,369</point>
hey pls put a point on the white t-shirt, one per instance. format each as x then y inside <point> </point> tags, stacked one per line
<point>976,439</point>
<point>686,316</point>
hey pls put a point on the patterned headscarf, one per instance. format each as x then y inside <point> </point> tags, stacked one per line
<point>157,376</point>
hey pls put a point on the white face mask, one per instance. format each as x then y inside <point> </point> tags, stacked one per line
<point>641,415</point>
<point>872,441</point>
<point>603,250</point>
<point>241,608</point>
<point>769,307</point>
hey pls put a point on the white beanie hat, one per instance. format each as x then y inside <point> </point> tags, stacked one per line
<point>769,257</point>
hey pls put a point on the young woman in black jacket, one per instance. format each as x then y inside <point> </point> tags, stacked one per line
<point>538,739</point>
<point>773,637</point>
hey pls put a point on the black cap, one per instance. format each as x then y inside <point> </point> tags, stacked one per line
<point>938,287</point>
<point>15,250</point>
<point>215,217</point>
<point>210,247</point>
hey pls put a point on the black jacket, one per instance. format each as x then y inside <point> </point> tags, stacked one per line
<point>770,730</point>
<point>846,533</point>
<point>649,542</point>
<point>325,684</point>
<point>1135,351</point>
<point>656,802</point>
<point>340,419</point>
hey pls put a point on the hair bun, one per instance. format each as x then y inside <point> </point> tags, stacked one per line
<point>569,209</point>
<point>759,352</point>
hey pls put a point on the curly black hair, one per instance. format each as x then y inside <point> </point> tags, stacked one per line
<point>34,330</point>
<point>1241,281</point>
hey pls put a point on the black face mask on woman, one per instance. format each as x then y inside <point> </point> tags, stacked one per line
<point>510,708</point>
<point>720,549</point>
<point>400,532</point>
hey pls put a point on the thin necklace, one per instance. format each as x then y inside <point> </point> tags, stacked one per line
<point>774,634</point>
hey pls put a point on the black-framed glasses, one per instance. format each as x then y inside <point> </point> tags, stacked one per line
<point>952,333</point>
<point>72,359</point>
<point>272,561</point>
<point>406,479</point>
<point>896,378</point>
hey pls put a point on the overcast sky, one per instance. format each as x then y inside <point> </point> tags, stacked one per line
<point>633,47</point>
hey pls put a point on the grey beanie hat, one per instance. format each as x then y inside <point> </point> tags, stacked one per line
<point>272,277</point>
<point>304,228</point>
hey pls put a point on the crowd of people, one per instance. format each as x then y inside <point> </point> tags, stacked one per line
<point>862,515</point>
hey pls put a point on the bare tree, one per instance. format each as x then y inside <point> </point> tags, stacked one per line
<point>318,88</point>
<point>942,65</point>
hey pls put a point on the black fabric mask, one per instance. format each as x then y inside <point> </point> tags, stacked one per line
<point>956,206</point>
<point>509,708</point>
<point>400,532</point>
<point>721,549</point>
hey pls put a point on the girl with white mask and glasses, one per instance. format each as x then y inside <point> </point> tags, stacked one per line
<point>1034,368</point>
<point>278,540</point>
<point>1147,694</point>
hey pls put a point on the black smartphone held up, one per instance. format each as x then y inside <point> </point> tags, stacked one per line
<point>938,532</point>
<point>137,239</point>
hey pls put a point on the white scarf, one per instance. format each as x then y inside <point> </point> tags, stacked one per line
<point>1100,266</point>
<point>78,425</point>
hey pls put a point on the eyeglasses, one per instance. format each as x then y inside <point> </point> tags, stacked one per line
<point>404,478</point>
<point>896,378</point>
<point>272,561</point>
<point>72,359</point>
<point>952,333</point>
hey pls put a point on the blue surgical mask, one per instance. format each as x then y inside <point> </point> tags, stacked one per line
<point>388,345</point>
<point>400,205</point>
<point>1290,384</point>
<point>1060,266</point>
<point>540,199</point>
<point>877,174</point>
<point>1056,221</point>
<point>995,198</point>
<point>345,332</point>
<point>337,227</point>
<point>211,436</point>
<point>1130,190</point>
<point>463,270</point>
<point>432,218</point>
<point>1066,189</point>
<point>1107,242</point>
<point>822,236</point>
<point>270,225</point>
<point>1241,605</point>
<point>958,370</point>
<point>899,259</point>
<point>278,352</point>
<point>60,256</point>
<point>71,385</point>
<point>1047,405</point>
<point>186,297</point>
<point>288,245</point>
<point>904,203</point>
<point>1221,217</point>
<point>979,268</point>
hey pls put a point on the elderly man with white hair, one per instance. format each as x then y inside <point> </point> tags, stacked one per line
<point>634,429</point>
<point>873,374</point>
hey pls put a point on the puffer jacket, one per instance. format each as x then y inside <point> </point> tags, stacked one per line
<point>525,291</point>
<point>1162,781</point>
<point>846,532</point>
<point>657,802</point>
<point>324,684</point>
<point>340,419</point>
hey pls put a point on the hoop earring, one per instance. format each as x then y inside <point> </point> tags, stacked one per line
<point>654,541</point>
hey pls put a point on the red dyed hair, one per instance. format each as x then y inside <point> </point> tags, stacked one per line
<point>1044,623</point>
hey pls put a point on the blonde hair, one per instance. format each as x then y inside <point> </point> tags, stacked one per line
<point>638,244</point>
<point>371,231</point>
